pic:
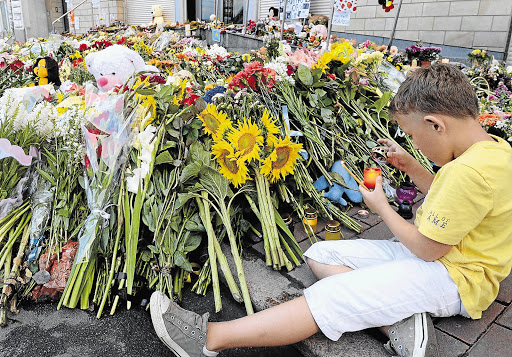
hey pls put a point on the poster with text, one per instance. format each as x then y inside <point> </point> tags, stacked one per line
<point>341,18</point>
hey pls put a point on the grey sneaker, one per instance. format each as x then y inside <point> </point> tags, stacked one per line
<point>413,337</point>
<point>184,332</point>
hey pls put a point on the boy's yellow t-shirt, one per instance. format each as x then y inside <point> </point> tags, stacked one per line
<point>469,206</point>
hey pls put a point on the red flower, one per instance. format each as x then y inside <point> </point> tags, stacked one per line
<point>16,65</point>
<point>77,62</point>
<point>331,76</point>
<point>121,41</point>
<point>83,47</point>
<point>99,150</point>
<point>94,131</point>
<point>87,162</point>
<point>2,65</point>
<point>190,100</point>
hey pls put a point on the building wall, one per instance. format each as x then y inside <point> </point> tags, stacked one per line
<point>469,23</point>
<point>86,16</point>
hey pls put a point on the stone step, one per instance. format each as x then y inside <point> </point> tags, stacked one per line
<point>268,288</point>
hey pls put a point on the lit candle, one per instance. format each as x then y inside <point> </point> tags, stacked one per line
<point>370,176</point>
<point>187,30</point>
<point>354,176</point>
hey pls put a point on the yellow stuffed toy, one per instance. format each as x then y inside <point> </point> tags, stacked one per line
<point>46,69</point>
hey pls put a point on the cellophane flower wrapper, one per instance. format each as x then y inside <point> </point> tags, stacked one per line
<point>389,78</point>
<point>41,206</point>
<point>106,152</point>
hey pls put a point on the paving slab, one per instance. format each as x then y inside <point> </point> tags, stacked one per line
<point>380,231</point>
<point>350,344</point>
<point>468,330</point>
<point>450,346</point>
<point>269,288</point>
<point>505,292</point>
<point>497,342</point>
<point>371,220</point>
<point>506,319</point>
<point>302,275</point>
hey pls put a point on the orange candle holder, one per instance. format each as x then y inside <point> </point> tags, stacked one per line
<point>370,176</point>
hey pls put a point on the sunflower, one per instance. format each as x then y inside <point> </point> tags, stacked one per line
<point>246,140</point>
<point>272,129</point>
<point>281,161</point>
<point>214,122</point>
<point>230,168</point>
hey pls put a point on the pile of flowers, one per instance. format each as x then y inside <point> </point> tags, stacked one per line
<point>422,53</point>
<point>133,181</point>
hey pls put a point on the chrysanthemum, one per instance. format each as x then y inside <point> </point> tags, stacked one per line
<point>246,140</point>
<point>235,171</point>
<point>281,161</point>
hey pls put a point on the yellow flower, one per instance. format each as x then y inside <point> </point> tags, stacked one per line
<point>271,128</point>
<point>246,57</point>
<point>214,122</point>
<point>281,161</point>
<point>235,171</point>
<point>339,52</point>
<point>209,86</point>
<point>246,140</point>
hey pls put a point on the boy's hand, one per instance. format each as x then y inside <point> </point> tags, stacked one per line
<point>375,200</point>
<point>397,156</point>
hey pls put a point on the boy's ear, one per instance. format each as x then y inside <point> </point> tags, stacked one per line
<point>436,123</point>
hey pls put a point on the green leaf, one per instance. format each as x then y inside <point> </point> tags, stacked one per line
<point>181,261</point>
<point>305,75</point>
<point>46,176</point>
<point>191,170</point>
<point>320,92</point>
<point>382,101</point>
<point>153,249</point>
<point>146,255</point>
<point>214,182</point>
<point>194,224</point>
<point>164,158</point>
<point>146,91</point>
<point>198,153</point>
<point>192,243</point>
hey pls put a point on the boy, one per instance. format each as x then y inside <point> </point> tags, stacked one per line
<point>449,262</point>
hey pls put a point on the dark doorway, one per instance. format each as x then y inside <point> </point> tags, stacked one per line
<point>191,10</point>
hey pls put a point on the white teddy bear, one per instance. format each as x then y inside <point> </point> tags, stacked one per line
<point>158,18</point>
<point>114,65</point>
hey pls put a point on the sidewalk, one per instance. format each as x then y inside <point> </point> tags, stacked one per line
<point>40,330</point>
<point>458,336</point>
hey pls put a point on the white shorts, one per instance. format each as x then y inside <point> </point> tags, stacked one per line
<point>388,284</point>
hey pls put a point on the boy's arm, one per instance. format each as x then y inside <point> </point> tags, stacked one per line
<point>420,245</point>
<point>421,177</point>
<point>407,233</point>
<point>403,161</point>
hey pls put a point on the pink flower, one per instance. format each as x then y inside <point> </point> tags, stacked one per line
<point>303,56</point>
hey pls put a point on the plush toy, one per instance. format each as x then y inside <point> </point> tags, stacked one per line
<point>158,18</point>
<point>46,69</point>
<point>114,65</point>
<point>319,30</point>
<point>336,191</point>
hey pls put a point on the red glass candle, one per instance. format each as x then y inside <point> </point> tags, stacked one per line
<point>370,176</point>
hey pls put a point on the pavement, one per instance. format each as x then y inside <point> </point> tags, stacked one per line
<point>41,330</point>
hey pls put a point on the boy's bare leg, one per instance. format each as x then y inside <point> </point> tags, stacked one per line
<point>280,325</point>
<point>324,270</point>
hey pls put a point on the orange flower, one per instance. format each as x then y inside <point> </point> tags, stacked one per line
<point>488,119</point>
<point>182,56</point>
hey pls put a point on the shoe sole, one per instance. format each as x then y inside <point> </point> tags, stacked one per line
<point>421,330</point>
<point>159,325</point>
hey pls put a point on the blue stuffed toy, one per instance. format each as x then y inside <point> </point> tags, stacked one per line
<point>336,191</point>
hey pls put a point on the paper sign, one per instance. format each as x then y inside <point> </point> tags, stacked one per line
<point>95,3</point>
<point>215,35</point>
<point>295,9</point>
<point>341,18</point>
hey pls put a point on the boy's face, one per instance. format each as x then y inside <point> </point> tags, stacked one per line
<point>426,136</point>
